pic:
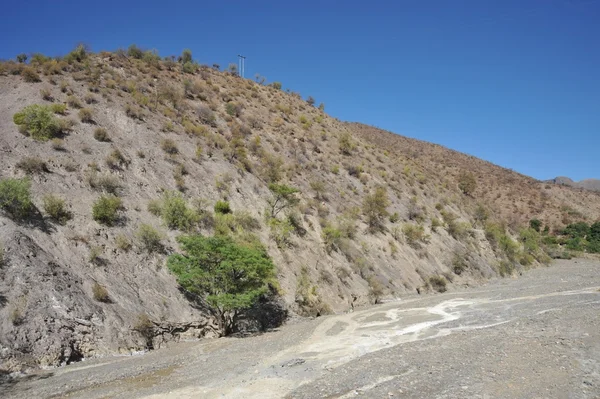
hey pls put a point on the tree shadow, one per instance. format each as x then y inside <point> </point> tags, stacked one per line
<point>36,220</point>
<point>3,301</point>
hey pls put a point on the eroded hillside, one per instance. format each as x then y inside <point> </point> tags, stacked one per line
<point>376,214</point>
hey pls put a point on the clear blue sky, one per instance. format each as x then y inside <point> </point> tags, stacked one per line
<point>515,82</point>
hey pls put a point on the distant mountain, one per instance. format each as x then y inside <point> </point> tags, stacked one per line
<point>588,184</point>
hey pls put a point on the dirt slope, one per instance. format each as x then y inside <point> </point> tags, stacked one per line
<point>214,136</point>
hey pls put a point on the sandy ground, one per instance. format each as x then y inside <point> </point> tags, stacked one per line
<point>537,336</point>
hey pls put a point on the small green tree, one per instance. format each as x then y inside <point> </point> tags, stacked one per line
<point>15,197</point>
<point>230,276</point>
<point>375,208</point>
<point>22,58</point>
<point>284,197</point>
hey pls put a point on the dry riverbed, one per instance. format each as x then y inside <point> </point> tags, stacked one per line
<point>537,336</point>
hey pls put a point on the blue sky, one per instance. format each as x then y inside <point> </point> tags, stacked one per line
<point>515,82</point>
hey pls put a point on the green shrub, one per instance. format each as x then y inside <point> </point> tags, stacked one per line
<point>106,210</point>
<point>155,207</point>
<point>135,52</point>
<point>231,276</point>
<point>32,165</point>
<point>535,224</point>
<point>56,208</point>
<point>190,67</point>
<point>276,85</point>
<point>458,230</point>
<point>149,238</point>
<point>15,197</point>
<point>100,134</point>
<point>175,212</point>
<point>222,207</point>
<point>38,121</point>
<point>284,197</point>
<point>30,75</point>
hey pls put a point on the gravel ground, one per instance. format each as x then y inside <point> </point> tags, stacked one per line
<point>537,336</point>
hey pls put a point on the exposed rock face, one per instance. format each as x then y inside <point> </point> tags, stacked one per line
<point>48,318</point>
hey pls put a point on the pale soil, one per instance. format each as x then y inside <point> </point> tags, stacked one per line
<point>537,336</point>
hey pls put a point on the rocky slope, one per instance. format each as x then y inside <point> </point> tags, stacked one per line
<point>214,136</point>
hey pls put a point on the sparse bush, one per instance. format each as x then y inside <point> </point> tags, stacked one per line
<point>467,183</point>
<point>134,51</point>
<point>86,115</point>
<point>122,242</point>
<point>459,263</point>
<point>347,145</point>
<point>331,238</point>
<point>100,134</point>
<point>375,208</point>
<point>276,85</point>
<point>15,197</point>
<point>106,209</point>
<point>458,230</point>
<point>30,75</point>
<point>38,121</point>
<point>149,238</point>
<point>155,207</point>
<point>169,146</point>
<point>175,212</point>
<point>32,165</point>
<point>134,112</point>
<point>438,283</point>
<point>206,115</point>
<point>73,102</point>
<point>46,94</point>
<point>107,183</point>
<point>415,234</point>
<point>505,268</point>
<point>94,256</point>
<point>116,159</point>
<point>56,208</point>
<point>58,108</point>
<point>233,109</point>
<point>100,293</point>
<point>58,144</point>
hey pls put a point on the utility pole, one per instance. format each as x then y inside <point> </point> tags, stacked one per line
<point>241,64</point>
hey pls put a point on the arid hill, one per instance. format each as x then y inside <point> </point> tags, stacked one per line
<point>587,184</point>
<point>377,215</point>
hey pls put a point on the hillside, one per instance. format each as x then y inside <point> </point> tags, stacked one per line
<point>377,215</point>
<point>588,184</point>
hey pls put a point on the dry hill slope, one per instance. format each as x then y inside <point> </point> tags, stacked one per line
<point>378,214</point>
